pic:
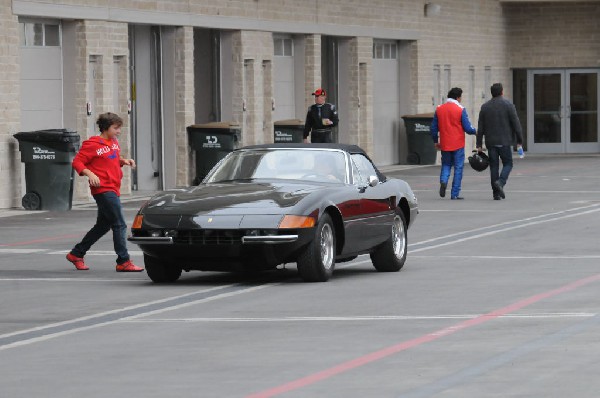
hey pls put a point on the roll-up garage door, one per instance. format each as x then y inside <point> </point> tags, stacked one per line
<point>386,102</point>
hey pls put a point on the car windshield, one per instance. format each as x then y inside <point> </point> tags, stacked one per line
<point>288,164</point>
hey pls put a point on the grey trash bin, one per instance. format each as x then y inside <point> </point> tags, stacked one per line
<point>212,142</point>
<point>47,155</point>
<point>288,131</point>
<point>421,149</point>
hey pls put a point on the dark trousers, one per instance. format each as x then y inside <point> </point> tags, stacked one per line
<point>497,153</point>
<point>110,216</point>
<point>321,137</point>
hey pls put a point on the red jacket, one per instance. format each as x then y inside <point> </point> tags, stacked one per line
<point>102,157</point>
<point>452,121</point>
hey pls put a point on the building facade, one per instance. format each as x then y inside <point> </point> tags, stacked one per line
<point>168,64</point>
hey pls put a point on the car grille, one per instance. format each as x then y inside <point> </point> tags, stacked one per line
<point>209,237</point>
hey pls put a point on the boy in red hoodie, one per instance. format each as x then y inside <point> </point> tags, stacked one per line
<point>100,161</point>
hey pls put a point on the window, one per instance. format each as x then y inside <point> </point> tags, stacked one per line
<point>365,169</point>
<point>385,50</point>
<point>283,46</point>
<point>38,34</point>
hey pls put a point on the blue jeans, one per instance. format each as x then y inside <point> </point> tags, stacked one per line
<point>454,159</point>
<point>110,216</point>
<point>497,153</point>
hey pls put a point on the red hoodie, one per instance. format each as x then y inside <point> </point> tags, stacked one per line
<point>101,157</point>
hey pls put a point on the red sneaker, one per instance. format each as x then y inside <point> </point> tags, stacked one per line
<point>128,266</point>
<point>77,262</point>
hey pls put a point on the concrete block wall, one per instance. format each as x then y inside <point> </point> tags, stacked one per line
<point>312,67</point>
<point>562,35</point>
<point>10,168</point>
<point>253,82</point>
<point>105,41</point>
<point>184,102</point>
<point>463,34</point>
<point>360,113</point>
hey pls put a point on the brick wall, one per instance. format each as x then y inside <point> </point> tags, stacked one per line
<point>553,34</point>
<point>184,102</point>
<point>10,168</point>
<point>106,41</point>
<point>465,35</point>
<point>253,81</point>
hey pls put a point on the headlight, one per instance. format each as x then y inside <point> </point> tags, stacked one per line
<point>137,222</point>
<point>289,221</point>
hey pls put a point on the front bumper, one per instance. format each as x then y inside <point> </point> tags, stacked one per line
<point>229,250</point>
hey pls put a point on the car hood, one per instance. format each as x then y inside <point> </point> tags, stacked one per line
<point>231,198</point>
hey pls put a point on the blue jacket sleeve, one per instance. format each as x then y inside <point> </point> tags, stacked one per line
<point>466,123</point>
<point>434,129</point>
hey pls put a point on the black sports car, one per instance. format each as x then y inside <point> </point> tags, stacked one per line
<point>264,205</point>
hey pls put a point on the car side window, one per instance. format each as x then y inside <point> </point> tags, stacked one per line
<point>365,168</point>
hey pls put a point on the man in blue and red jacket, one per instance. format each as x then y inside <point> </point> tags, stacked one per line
<point>451,121</point>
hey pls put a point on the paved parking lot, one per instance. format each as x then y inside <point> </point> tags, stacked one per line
<point>497,299</point>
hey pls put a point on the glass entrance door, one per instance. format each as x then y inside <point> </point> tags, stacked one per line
<point>563,111</point>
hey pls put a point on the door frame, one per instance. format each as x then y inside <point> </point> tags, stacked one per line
<point>564,113</point>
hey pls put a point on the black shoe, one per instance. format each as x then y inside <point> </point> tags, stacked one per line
<point>499,189</point>
<point>443,189</point>
<point>497,198</point>
<point>457,198</point>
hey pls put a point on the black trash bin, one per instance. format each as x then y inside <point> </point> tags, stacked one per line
<point>212,142</point>
<point>47,155</point>
<point>421,149</point>
<point>288,131</point>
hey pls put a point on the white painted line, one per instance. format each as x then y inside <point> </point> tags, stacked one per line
<point>71,280</point>
<point>96,315</point>
<point>99,252</point>
<point>574,257</point>
<point>21,251</point>
<point>361,318</point>
<point>516,224</point>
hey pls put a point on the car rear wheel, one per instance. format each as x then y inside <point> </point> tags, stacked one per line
<point>317,261</point>
<point>391,255</point>
<point>160,271</point>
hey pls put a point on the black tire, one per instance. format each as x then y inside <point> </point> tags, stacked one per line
<point>317,261</point>
<point>413,158</point>
<point>31,201</point>
<point>391,255</point>
<point>161,271</point>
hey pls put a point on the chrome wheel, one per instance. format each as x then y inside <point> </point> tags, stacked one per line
<point>398,238</point>
<point>327,246</point>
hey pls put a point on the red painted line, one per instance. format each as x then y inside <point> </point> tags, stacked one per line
<point>31,242</point>
<point>405,345</point>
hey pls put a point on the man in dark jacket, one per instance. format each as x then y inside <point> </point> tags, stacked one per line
<point>499,123</point>
<point>321,117</point>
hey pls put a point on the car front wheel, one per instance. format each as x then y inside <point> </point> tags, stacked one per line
<point>391,255</point>
<point>317,261</point>
<point>161,271</point>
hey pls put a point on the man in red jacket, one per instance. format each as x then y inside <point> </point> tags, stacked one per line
<point>100,161</point>
<point>451,121</point>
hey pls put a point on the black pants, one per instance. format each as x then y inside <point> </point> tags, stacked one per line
<point>321,137</point>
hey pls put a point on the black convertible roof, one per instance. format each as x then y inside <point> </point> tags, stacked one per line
<point>344,147</point>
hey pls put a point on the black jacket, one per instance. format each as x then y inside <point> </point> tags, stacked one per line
<point>314,118</point>
<point>499,122</point>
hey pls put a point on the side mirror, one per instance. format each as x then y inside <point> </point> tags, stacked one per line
<point>373,181</point>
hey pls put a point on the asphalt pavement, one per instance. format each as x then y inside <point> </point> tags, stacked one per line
<point>496,299</point>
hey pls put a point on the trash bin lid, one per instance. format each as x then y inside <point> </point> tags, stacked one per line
<point>50,135</point>
<point>428,115</point>
<point>216,125</point>
<point>289,122</point>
